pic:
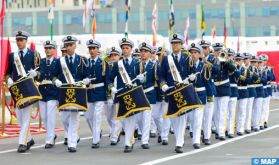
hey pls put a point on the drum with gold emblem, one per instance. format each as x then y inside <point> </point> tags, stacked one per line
<point>25,92</point>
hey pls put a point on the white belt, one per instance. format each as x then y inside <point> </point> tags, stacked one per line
<point>148,89</point>
<point>200,89</point>
<point>233,85</point>
<point>269,86</point>
<point>45,82</point>
<point>251,86</point>
<point>218,83</point>
<point>92,86</point>
<point>258,85</point>
<point>265,87</point>
<point>242,87</point>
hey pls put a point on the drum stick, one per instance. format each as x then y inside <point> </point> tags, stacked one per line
<point>78,82</point>
<point>27,75</point>
<point>137,78</point>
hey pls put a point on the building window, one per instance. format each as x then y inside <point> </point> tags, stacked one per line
<point>235,13</point>
<point>266,11</point>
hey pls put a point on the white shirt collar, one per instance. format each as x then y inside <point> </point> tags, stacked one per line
<point>95,59</point>
<point>197,63</point>
<point>129,59</point>
<point>50,59</point>
<point>74,55</point>
<point>178,55</point>
<point>25,50</point>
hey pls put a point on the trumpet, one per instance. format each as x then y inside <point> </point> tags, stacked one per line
<point>223,56</point>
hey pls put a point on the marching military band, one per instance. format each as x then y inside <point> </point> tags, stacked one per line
<point>148,90</point>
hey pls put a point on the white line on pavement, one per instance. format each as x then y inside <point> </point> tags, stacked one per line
<point>157,161</point>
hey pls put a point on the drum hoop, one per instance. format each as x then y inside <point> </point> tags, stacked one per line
<point>28,98</point>
<point>17,82</point>
<point>177,90</point>
<point>184,109</point>
<point>130,91</point>
<point>72,104</point>
<point>74,87</point>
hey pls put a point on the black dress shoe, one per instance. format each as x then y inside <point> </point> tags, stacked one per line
<point>191,134</point>
<point>22,148</point>
<point>145,146</point>
<point>207,142</point>
<point>222,138</point>
<point>55,137</point>
<point>216,136</point>
<point>261,127</point>
<point>47,146</point>
<point>97,145</point>
<point>152,135</point>
<point>112,143</point>
<point>136,133</point>
<point>256,129</point>
<point>171,131</point>
<point>101,134</point>
<point>165,142</point>
<point>30,144</point>
<point>72,149</point>
<point>178,149</point>
<point>213,131</point>
<point>128,149</point>
<point>159,139</point>
<point>139,136</point>
<point>247,131</point>
<point>239,133</point>
<point>188,128</point>
<point>66,141</point>
<point>122,132</point>
<point>265,125</point>
<point>230,136</point>
<point>196,146</point>
<point>226,133</point>
<point>78,140</point>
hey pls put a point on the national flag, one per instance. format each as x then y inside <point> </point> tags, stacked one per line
<point>2,48</point>
<point>93,16</point>
<point>238,42</point>
<point>213,32</point>
<point>203,23</point>
<point>225,33</point>
<point>128,8</point>
<point>154,23</point>
<point>84,17</point>
<point>51,17</point>
<point>171,18</point>
<point>187,30</point>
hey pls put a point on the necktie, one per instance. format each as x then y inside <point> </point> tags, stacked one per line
<point>127,61</point>
<point>71,62</point>
<point>143,70</point>
<point>93,63</point>
<point>21,55</point>
<point>47,65</point>
<point>176,58</point>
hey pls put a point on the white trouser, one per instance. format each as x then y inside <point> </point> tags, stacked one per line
<point>179,125</point>
<point>257,112</point>
<point>249,109</point>
<point>222,112</point>
<point>113,123</point>
<point>48,115</point>
<point>139,124</point>
<point>207,119</point>
<point>65,118</point>
<point>265,110</point>
<point>23,117</point>
<point>157,115</point>
<point>231,115</point>
<point>241,114</point>
<point>145,117</point>
<point>165,129</point>
<point>73,120</point>
<point>94,117</point>
<point>215,115</point>
<point>153,128</point>
<point>130,125</point>
<point>196,116</point>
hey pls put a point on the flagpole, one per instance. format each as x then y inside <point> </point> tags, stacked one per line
<point>127,5</point>
<point>154,23</point>
<point>171,18</point>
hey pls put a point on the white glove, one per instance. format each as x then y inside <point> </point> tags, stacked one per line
<point>186,81</point>
<point>10,82</point>
<point>86,81</point>
<point>192,77</point>
<point>140,77</point>
<point>113,90</point>
<point>58,83</point>
<point>32,73</point>
<point>165,88</point>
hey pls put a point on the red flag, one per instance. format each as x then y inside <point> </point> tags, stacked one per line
<point>3,13</point>
<point>33,46</point>
<point>213,31</point>
<point>225,34</point>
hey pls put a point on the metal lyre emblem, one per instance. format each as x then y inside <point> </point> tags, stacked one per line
<point>129,103</point>
<point>16,93</point>
<point>178,97</point>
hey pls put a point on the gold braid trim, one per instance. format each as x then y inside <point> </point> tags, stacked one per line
<point>207,71</point>
<point>104,68</point>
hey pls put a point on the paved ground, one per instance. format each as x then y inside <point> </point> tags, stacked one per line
<point>234,151</point>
